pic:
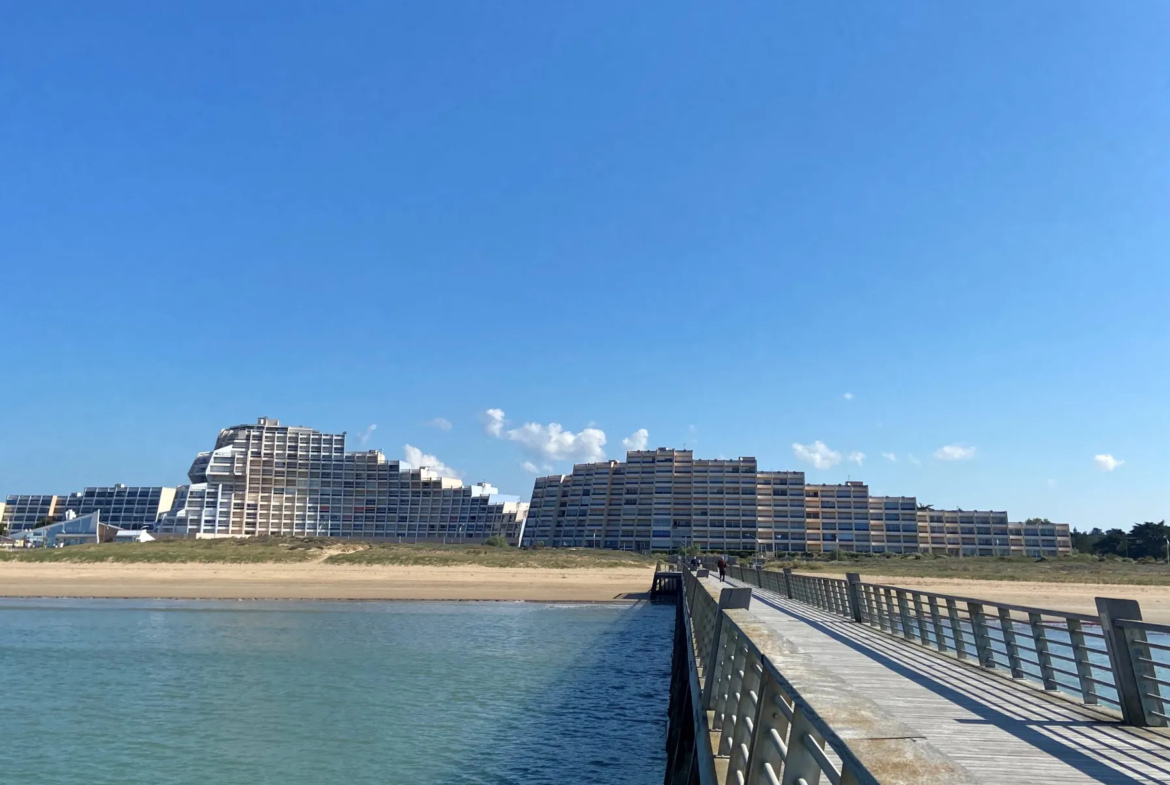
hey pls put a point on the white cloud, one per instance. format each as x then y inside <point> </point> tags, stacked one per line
<point>493,422</point>
<point>365,435</point>
<point>817,453</point>
<point>442,423</point>
<point>857,457</point>
<point>889,456</point>
<point>848,396</point>
<point>914,460</point>
<point>1106,462</point>
<point>637,440</point>
<point>418,459</point>
<point>549,442</point>
<point>954,452</point>
<point>529,466</point>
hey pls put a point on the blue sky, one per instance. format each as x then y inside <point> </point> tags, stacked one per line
<point>711,222</point>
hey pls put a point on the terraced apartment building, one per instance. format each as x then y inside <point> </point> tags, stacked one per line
<point>665,499</point>
<point>126,507</point>
<point>274,479</point>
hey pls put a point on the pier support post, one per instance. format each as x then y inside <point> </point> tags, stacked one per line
<point>1121,657</point>
<point>853,585</point>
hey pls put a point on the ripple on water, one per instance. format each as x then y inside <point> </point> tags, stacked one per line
<point>171,693</point>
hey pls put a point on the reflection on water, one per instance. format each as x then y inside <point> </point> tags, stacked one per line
<point>223,693</point>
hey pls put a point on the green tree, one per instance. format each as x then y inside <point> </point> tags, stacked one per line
<point>1149,539</point>
<point>1038,521</point>
<point>1112,543</point>
<point>1086,542</point>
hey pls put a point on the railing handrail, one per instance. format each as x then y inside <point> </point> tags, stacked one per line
<point>1148,626</point>
<point>1086,617</point>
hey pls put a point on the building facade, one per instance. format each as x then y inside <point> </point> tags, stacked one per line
<point>271,479</point>
<point>989,533</point>
<point>663,499</point>
<point>120,505</point>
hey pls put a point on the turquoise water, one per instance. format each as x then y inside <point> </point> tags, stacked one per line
<point>176,692</point>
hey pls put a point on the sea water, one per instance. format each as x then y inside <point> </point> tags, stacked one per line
<point>220,693</point>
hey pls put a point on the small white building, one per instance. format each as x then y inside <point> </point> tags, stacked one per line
<point>135,535</point>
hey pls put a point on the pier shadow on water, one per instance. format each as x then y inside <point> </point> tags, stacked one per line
<point>601,719</point>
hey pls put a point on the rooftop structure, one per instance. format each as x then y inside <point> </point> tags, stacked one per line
<point>274,479</point>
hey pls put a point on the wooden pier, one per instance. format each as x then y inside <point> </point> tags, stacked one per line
<point>796,678</point>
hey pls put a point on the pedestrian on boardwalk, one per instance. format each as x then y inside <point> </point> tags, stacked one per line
<point>722,569</point>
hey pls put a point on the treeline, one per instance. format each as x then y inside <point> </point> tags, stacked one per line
<point>1143,540</point>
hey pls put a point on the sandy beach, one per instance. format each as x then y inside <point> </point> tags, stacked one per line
<point>1075,597</point>
<point>319,581</point>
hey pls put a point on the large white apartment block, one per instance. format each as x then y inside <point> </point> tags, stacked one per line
<point>122,506</point>
<point>665,499</point>
<point>272,479</point>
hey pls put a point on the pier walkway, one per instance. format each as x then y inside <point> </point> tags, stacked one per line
<point>1000,729</point>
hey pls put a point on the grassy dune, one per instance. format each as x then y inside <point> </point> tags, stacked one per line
<point>290,550</point>
<point>1078,568</point>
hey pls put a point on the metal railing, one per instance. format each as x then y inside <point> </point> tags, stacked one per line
<point>774,717</point>
<point>1081,655</point>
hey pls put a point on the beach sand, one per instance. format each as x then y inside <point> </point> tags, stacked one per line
<point>318,581</point>
<point>1075,597</point>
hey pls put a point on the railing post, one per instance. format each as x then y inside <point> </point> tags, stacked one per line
<point>853,586</point>
<point>765,758</point>
<point>800,763</point>
<point>957,630</point>
<point>1009,643</point>
<point>788,582</point>
<point>1040,639</point>
<point>939,635</point>
<point>1121,657</point>
<point>982,637</point>
<point>1081,654</point>
<point>729,599</point>
<point>904,611</point>
<point>923,635</point>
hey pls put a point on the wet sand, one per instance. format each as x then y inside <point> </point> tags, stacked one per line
<point>319,581</point>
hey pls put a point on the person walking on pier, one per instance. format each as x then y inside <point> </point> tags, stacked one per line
<point>722,563</point>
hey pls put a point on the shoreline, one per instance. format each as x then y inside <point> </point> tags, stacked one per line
<point>318,581</point>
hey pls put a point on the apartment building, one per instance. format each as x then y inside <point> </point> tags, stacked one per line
<point>274,479</point>
<point>665,499</point>
<point>989,533</point>
<point>122,506</point>
<point>26,511</point>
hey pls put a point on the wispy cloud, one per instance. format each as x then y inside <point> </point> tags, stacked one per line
<point>817,453</point>
<point>889,456</point>
<point>365,435</point>
<point>913,460</point>
<point>848,396</point>
<point>493,422</point>
<point>1106,462</point>
<point>857,457</point>
<point>418,459</point>
<point>548,442</point>
<point>954,452</point>
<point>442,423</point>
<point>637,440</point>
